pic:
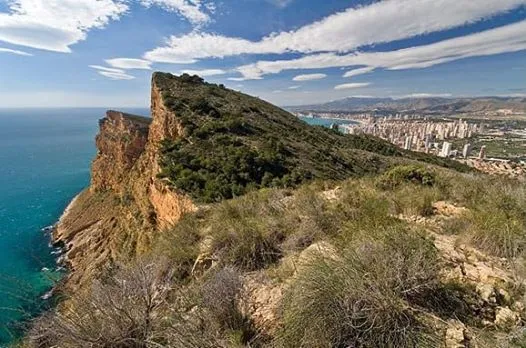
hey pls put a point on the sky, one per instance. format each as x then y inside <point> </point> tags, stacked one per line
<point>101,53</point>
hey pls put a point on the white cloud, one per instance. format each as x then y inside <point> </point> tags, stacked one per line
<point>281,3</point>
<point>380,22</point>
<point>309,77</point>
<point>17,52</point>
<point>192,10</point>
<point>509,38</point>
<point>205,73</point>
<point>360,71</point>
<point>103,68</point>
<point>116,75</point>
<point>55,25</point>
<point>129,63</point>
<point>351,85</point>
<point>427,95</point>
<point>243,79</point>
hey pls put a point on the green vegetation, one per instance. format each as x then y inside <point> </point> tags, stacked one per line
<point>354,272</point>
<point>353,258</point>
<point>362,296</point>
<point>403,174</point>
<point>233,143</point>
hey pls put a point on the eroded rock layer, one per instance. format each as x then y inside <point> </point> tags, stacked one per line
<point>117,216</point>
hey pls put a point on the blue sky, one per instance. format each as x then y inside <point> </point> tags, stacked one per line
<point>102,52</point>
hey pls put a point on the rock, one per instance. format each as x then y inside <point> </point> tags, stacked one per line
<point>503,297</point>
<point>505,317</point>
<point>261,302</point>
<point>486,292</point>
<point>455,335</point>
<point>322,249</point>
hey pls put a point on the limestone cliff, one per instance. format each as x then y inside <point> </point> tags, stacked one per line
<point>117,216</point>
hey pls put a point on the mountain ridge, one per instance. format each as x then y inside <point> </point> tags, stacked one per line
<point>431,105</point>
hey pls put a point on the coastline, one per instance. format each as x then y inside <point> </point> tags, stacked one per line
<point>55,235</point>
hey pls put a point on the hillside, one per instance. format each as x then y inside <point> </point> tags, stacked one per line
<point>415,257</point>
<point>430,105</point>
<point>215,222</point>
<point>203,143</point>
<point>231,142</point>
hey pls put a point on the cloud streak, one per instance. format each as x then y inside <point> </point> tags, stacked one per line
<point>116,75</point>
<point>509,38</point>
<point>129,63</point>
<point>112,73</point>
<point>309,77</point>
<point>380,22</point>
<point>351,85</point>
<point>360,71</point>
<point>17,52</point>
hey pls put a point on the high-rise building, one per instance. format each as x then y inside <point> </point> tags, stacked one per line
<point>482,153</point>
<point>408,142</point>
<point>446,149</point>
<point>466,151</point>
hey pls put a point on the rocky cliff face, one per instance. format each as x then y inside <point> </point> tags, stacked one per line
<point>116,218</point>
<point>120,143</point>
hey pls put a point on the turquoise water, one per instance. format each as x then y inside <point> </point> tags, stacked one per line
<point>45,157</point>
<point>326,122</point>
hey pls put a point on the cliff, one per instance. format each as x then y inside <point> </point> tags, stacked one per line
<point>116,217</point>
<point>203,143</point>
<point>292,236</point>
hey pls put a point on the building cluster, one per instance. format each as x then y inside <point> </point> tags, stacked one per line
<point>418,134</point>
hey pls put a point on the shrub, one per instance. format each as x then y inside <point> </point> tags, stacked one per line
<point>119,311</point>
<point>180,244</point>
<point>247,232</point>
<point>221,297</point>
<point>360,298</point>
<point>407,173</point>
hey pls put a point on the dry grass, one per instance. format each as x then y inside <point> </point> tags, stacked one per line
<point>359,298</point>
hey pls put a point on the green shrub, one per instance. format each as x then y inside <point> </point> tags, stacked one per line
<point>247,232</point>
<point>360,298</point>
<point>404,174</point>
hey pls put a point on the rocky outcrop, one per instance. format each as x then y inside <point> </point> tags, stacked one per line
<point>120,143</point>
<point>126,203</point>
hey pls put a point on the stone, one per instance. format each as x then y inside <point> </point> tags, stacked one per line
<point>505,317</point>
<point>455,335</point>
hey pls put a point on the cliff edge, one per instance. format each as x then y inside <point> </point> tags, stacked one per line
<point>203,144</point>
<point>116,217</point>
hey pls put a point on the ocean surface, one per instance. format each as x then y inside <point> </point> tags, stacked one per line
<point>45,157</point>
<point>326,122</point>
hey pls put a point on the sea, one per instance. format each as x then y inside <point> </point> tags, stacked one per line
<point>326,122</point>
<point>45,157</point>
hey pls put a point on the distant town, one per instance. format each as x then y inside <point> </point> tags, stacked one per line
<point>487,145</point>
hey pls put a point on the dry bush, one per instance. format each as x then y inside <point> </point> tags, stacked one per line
<point>247,232</point>
<point>121,310</point>
<point>498,219</point>
<point>180,244</point>
<point>360,298</point>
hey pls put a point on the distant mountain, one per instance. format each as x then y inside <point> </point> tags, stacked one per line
<point>430,105</point>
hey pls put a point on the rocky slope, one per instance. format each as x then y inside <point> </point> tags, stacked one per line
<point>203,143</point>
<point>223,221</point>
